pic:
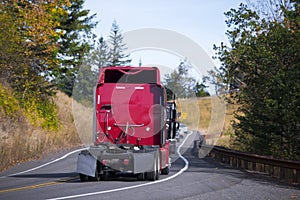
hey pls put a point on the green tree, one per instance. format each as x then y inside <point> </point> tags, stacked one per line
<point>76,42</point>
<point>200,90</point>
<point>85,83</point>
<point>262,66</point>
<point>179,82</point>
<point>117,57</point>
<point>101,54</point>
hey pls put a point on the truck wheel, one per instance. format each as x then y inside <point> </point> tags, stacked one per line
<point>97,173</point>
<point>165,171</point>
<point>83,177</point>
<point>151,176</point>
<point>97,176</point>
<point>141,176</point>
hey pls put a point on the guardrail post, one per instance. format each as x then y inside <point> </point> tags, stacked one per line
<point>265,168</point>
<point>277,172</point>
<point>282,173</point>
<point>239,163</point>
<point>227,159</point>
<point>271,171</point>
<point>254,166</point>
<point>297,176</point>
<point>243,164</point>
<point>259,167</point>
<point>246,164</point>
<point>234,162</point>
<point>289,175</point>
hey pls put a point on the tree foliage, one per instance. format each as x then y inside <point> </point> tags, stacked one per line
<point>117,57</point>
<point>182,84</point>
<point>33,35</point>
<point>112,51</point>
<point>101,54</point>
<point>28,51</point>
<point>109,53</point>
<point>29,44</point>
<point>75,43</point>
<point>200,90</point>
<point>261,70</point>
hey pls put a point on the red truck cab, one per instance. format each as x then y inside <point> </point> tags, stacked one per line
<point>130,104</point>
<point>129,125</point>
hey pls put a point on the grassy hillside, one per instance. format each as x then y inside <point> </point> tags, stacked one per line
<point>22,140</point>
<point>209,115</point>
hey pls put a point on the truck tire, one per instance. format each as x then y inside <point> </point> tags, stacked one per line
<point>98,176</point>
<point>141,176</point>
<point>151,176</point>
<point>165,171</point>
<point>83,177</point>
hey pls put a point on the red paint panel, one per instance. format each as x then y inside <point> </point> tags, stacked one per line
<point>130,113</point>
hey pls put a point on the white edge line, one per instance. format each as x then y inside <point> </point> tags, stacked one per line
<point>38,167</point>
<point>135,186</point>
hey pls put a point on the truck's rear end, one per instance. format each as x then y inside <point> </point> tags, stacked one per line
<point>129,125</point>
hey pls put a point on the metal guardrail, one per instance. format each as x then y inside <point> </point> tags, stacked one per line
<point>286,170</point>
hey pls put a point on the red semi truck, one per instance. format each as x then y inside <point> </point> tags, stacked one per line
<point>130,132</point>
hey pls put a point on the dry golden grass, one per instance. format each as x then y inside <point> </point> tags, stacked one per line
<point>20,141</point>
<point>209,115</point>
<point>83,118</point>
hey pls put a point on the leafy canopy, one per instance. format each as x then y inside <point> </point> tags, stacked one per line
<point>260,69</point>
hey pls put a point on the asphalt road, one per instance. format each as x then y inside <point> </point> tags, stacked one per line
<point>190,178</point>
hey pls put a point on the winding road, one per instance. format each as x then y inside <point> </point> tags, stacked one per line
<point>190,178</point>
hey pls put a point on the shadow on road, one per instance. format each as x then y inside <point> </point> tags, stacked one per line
<point>50,175</point>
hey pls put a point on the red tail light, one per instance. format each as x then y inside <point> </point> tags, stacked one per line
<point>104,162</point>
<point>126,161</point>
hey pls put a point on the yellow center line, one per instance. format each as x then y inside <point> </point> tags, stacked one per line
<point>39,185</point>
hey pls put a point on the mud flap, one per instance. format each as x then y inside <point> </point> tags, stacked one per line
<point>143,162</point>
<point>86,164</point>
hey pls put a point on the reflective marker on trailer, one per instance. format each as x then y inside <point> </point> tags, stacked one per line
<point>98,101</point>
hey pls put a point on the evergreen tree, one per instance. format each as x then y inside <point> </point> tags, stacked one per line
<point>85,83</point>
<point>101,54</point>
<point>75,43</point>
<point>117,57</point>
<point>179,82</point>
